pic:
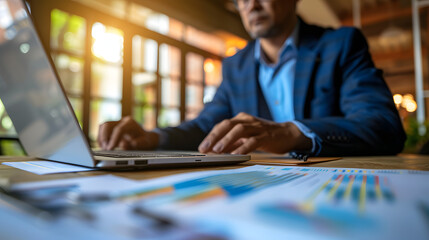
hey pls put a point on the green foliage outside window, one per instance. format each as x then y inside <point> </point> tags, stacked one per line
<point>415,140</point>
<point>67,31</point>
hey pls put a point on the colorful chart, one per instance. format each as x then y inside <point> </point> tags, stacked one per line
<point>337,204</point>
<point>310,202</point>
<point>210,187</point>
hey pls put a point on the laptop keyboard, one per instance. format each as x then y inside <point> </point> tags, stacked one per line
<point>130,154</point>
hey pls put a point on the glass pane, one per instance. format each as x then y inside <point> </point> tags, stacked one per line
<point>106,81</point>
<point>144,87</point>
<point>102,111</point>
<point>169,117</point>
<point>77,108</point>
<point>138,14</point>
<point>145,54</point>
<point>11,148</point>
<point>5,16</point>
<point>6,125</point>
<point>194,96</point>
<point>209,92</point>
<point>150,19</point>
<point>158,22</point>
<point>194,68</point>
<point>107,43</point>
<point>213,72</point>
<point>145,116</point>
<point>155,21</point>
<point>206,41</point>
<point>170,92</point>
<point>70,70</point>
<point>67,32</point>
<point>169,60</point>
<point>176,29</point>
<point>116,8</point>
<point>137,51</point>
<point>233,44</point>
<point>191,114</point>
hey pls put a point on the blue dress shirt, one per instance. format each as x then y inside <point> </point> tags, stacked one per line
<point>276,81</point>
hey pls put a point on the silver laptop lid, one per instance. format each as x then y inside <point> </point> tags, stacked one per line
<point>32,95</point>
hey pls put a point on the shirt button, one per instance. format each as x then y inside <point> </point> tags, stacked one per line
<point>277,102</point>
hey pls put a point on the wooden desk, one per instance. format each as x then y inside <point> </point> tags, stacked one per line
<point>403,161</point>
<point>414,162</point>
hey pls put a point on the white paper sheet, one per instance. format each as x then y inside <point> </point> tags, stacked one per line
<point>296,202</point>
<point>110,219</point>
<point>273,202</point>
<point>102,183</point>
<point>46,167</point>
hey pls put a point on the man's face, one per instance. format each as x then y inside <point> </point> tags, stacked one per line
<point>267,18</point>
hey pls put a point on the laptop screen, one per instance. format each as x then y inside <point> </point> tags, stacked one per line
<point>32,94</point>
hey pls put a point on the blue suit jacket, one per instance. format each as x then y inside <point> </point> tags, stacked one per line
<point>338,93</point>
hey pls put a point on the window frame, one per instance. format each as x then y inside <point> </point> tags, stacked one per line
<point>41,11</point>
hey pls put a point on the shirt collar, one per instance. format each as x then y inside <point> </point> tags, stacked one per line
<point>292,41</point>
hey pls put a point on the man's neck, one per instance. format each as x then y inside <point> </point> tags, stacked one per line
<point>271,46</point>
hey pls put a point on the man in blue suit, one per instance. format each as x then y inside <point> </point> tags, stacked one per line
<point>297,88</point>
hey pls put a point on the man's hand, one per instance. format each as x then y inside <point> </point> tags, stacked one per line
<point>245,133</point>
<point>127,134</point>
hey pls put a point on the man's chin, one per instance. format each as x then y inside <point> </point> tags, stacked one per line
<point>264,32</point>
<point>260,34</point>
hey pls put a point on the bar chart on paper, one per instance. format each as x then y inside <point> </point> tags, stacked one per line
<point>228,185</point>
<point>369,204</point>
<point>344,200</point>
<point>357,201</point>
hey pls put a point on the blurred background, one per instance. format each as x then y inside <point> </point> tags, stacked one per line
<point>160,61</point>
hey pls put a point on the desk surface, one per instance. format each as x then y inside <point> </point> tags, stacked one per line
<point>414,162</point>
<point>402,161</point>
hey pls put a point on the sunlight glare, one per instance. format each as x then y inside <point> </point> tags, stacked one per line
<point>108,45</point>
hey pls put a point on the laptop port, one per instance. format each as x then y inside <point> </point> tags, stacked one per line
<point>121,163</point>
<point>140,162</point>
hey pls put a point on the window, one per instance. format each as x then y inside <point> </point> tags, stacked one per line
<point>213,77</point>
<point>117,8</point>
<point>67,48</point>
<point>206,41</point>
<point>91,52</point>
<point>67,32</point>
<point>156,21</point>
<point>195,84</point>
<point>170,87</point>
<point>144,79</point>
<point>106,76</point>
<point>6,126</point>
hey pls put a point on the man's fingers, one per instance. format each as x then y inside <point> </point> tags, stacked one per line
<point>100,138</point>
<point>241,130</point>
<point>125,145</point>
<point>104,132</point>
<point>127,134</point>
<point>232,147</point>
<point>215,135</point>
<point>221,129</point>
<point>117,134</point>
<point>249,145</point>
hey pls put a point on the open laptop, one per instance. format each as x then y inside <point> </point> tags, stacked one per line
<point>41,113</point>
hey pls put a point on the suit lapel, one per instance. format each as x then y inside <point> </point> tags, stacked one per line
<point>247,88</point>
<point>306,62</point>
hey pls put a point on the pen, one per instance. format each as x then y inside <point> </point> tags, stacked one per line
<point>161,220</point>
<point>299,156</point>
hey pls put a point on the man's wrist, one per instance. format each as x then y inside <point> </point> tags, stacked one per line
<point>302,142</point>
<point>160,137</point>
